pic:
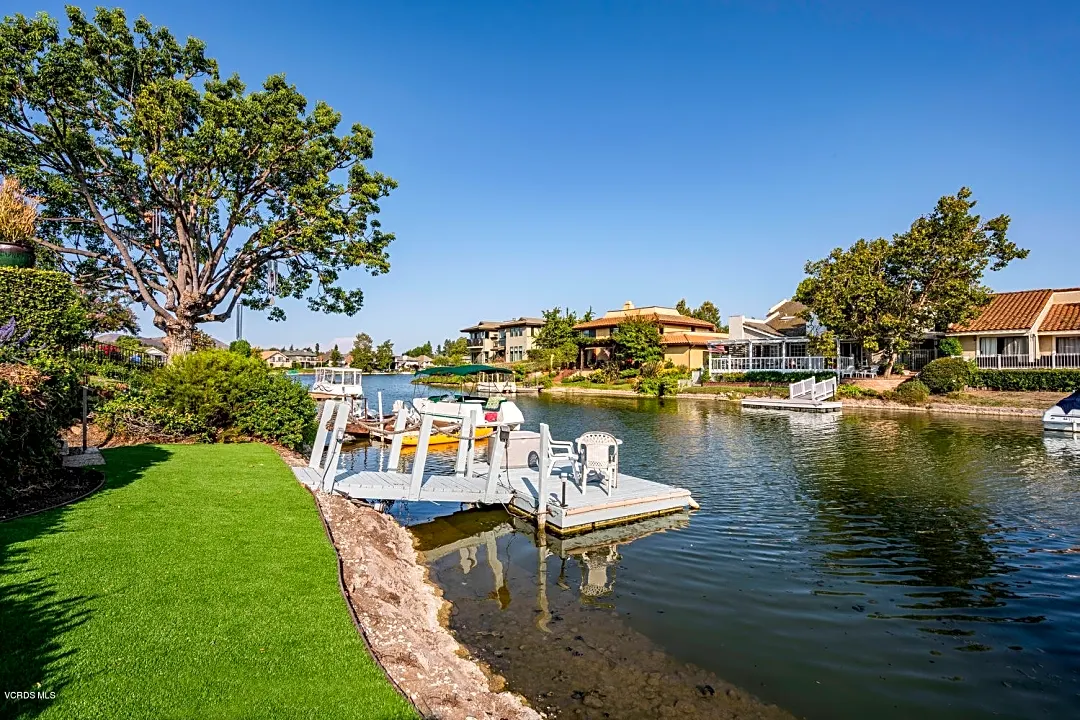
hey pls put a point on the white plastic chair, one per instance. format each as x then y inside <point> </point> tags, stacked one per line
<point>597,452</point>
<point>557,449</point>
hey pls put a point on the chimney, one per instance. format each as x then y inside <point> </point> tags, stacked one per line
<point>628,305</point>
<point>735,327</point>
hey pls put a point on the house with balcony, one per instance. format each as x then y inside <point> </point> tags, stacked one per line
<point>491,341</point>
<point>1024,330</point>
<point>778,342</point>
<point>684,339</point>
<point>275,359</point>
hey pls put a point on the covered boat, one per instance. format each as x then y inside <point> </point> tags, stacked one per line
<point>1065,416</point>
<point>337,383</point>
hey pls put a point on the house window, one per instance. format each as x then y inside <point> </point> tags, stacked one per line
<point>1068,346</point>
<point>1003,345</point>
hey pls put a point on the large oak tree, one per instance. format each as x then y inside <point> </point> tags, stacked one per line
<point>887,293</point>
<point>182,190</point>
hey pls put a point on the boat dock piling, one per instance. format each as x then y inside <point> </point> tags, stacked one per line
<point>525,491</point>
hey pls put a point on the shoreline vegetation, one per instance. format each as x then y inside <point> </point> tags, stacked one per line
<point>977,402</point>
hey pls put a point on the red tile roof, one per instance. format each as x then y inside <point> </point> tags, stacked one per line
<point>694,339</point>
<point>650,317</point>
<point>1062,317</point>
<point>1008,311</point>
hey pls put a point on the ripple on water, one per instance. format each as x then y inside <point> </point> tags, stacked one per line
<point>872,564</point>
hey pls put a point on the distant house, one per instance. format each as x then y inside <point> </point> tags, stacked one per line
<point>684,339</point>
<point>305,358</point>
<point>405,363</point>
<point>778,342</point>
<point>502,340</point>
<point>1023,330</point>
<point>275,359</point>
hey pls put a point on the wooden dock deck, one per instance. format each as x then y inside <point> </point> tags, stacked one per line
<point>797,405</point>
<point>555,501</point>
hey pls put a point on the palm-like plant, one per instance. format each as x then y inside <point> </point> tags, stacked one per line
<point>18,213</point>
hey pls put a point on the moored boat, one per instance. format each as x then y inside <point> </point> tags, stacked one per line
<point>1065,416</point>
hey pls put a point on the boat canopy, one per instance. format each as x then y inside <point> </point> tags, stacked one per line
<point>463,370</point>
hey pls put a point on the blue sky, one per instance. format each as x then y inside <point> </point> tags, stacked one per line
<point>587,153</point>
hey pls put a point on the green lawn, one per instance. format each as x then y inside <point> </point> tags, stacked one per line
<point>198,583</point>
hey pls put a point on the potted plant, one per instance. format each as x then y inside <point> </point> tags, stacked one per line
<point>18,218</point>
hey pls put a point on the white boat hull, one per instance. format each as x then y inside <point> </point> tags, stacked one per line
<point>1065,424</point>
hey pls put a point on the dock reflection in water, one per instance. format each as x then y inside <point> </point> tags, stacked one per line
<point>542,615</point>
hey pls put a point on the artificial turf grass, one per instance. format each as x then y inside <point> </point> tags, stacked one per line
<point>198,583</point>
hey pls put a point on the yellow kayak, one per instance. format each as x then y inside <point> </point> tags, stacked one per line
<point>410,439</point>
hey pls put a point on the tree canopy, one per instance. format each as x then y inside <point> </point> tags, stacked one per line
<point>363,354</point>
<point>557,342</point>
<point>887,293</point>
<point>335,357</point>
<point>384,355</point>
<point>419,350</point>
<point>637,342</point>
<point>181,190</point>
<point>706,311</point>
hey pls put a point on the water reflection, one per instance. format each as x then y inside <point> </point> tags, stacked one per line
<point>872,564</point>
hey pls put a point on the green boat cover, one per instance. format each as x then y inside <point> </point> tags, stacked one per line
<point>464,370</point>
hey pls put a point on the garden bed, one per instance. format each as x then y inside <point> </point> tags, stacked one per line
<point>67,485</point>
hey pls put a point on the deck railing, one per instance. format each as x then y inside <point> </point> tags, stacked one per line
<point>1023,362</point>
<point>727,364</point>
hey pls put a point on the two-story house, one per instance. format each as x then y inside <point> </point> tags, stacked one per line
<point>502,341</point>
<point>684,339</point>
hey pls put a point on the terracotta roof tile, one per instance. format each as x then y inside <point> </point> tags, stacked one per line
<point>695,339</point>
<point>1008,311</point>
<point>1062,317</point>
<point>651,317</point>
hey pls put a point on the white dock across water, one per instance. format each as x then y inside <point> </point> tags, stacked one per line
<point>550,494</point>
<point>803,396</point>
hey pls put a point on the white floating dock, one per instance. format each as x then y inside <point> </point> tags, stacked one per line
<point>798,405</point>
<point>561,505</point>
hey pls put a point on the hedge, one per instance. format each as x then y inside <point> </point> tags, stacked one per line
<point>1019,380</point>
<point>46,304</point>
<point>37,401</point>
<point>773,376</point>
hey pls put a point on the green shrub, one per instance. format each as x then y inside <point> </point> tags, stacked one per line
<point>946,375</point>
<point>856,391</point>
<point>951,347</point>
<point>545,381</point>
<point>1027,380</point>
<point>213,394</point>
<point>240,347</point>
<point>629,373</point>
<point>45,304</point>
<point>37,400</point>
<point>912,392</point>
<point>774,377</point>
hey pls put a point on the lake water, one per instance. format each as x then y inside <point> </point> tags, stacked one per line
<point>870,565</point>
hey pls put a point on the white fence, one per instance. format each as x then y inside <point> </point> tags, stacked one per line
<point>727,364</point>
<point>1023,362</point>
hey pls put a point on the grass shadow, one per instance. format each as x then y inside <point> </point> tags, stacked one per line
<point>37,611</point>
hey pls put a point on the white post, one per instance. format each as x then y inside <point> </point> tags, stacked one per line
<point>395,442</point>
<point>541,482</point>
<point>379,396</point>
<point>470,453</point>
<point>329,473</point>
<point>463,444</point>
<point>320,437</point>
<point>495,448</point>
<point>421,457</point>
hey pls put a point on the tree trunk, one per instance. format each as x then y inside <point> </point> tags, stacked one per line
<point>890,361</point>
<point>178,337</point>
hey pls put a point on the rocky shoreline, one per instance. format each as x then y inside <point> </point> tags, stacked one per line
<point>404,619</point>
